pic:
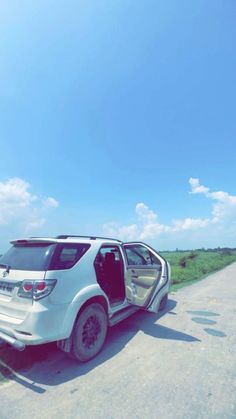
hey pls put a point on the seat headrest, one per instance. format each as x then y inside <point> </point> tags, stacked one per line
<point>109,257</point>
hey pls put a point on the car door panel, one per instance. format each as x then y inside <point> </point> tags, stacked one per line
<point>140,283</point>
<point>143,281</point>
<point>144,277</point>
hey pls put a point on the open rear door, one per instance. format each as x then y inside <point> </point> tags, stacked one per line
<point>146,276</point>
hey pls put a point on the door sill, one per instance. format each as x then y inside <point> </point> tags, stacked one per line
<point>122,314</point>
<point>117,302</point>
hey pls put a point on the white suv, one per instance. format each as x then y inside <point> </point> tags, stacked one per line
<point>69,289</point>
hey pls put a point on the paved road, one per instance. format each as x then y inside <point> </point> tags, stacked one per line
<point>179,365</point>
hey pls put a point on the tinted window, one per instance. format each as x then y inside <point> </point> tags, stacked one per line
<point>140,255</point>
<point>134,258</point>
<point>30,257</point>
<point>67,255</point>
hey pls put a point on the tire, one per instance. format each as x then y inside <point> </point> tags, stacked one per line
<point>89,333</point>
<point>163,302</point>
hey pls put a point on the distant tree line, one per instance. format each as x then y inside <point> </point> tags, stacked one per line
<point>224,250</point>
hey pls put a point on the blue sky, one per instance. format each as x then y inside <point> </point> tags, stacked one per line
<point>119,118</point>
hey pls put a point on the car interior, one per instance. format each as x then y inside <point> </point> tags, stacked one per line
<point>109,270</point>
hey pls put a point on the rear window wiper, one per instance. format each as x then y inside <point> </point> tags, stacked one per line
<point>7,267</point>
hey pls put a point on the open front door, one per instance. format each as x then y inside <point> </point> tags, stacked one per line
<point>146,274</point>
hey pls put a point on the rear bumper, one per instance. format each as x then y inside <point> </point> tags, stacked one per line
<point>41,325</point>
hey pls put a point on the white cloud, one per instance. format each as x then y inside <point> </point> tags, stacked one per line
<point>51,202</point>
<point>35,224</point>
<point>147,226</point>
<point>224,210</point>
<point>128,232</point>
<point>15,191</point>
<point>153,230</point>
<point>222,220</point>
<point>21,207</point>
<point>196,187</point>
<point>145,214</point>
<point>14,199</point>
<point>190,224</point>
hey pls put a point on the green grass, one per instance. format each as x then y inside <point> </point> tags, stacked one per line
<point>190,266</point>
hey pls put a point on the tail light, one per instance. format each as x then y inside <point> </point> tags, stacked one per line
<point>36,289</point>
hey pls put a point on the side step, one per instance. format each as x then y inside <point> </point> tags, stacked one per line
<point>123,314</point>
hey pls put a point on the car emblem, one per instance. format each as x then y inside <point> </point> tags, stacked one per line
<point>4,274</point>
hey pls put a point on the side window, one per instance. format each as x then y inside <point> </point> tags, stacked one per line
<point>67,255</point>
<point>154,260</point>
<point>140,255</point>
<point>133,257</point>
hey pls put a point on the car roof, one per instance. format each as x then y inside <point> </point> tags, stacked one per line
<point>63,238</point>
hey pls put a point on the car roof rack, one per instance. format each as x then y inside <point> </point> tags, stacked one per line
<point>68,236</point>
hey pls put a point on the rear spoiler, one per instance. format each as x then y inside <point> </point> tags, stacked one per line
<point>33,240</point>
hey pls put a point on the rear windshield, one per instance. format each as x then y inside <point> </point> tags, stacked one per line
<point>30,257</point>
<point>43,256</point>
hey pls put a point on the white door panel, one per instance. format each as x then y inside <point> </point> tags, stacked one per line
<point>145,275</point>
<point>140,283</point>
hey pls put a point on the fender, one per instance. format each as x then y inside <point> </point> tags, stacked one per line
<point>92,291</point>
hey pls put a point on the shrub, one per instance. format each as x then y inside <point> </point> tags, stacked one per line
<point>192,255</point>
<point>183,261</point>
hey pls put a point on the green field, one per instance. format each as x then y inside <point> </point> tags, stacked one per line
<point>190,266</point>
